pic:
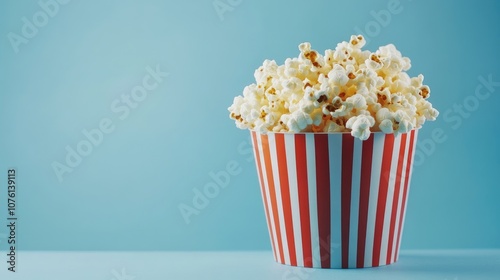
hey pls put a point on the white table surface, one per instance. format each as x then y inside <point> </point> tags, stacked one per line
<point>428,264</point>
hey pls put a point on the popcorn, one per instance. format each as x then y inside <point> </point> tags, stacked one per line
<point>360,126</point>
<point>345,90</point>
<point>386,126</point>
<point>338,76</point>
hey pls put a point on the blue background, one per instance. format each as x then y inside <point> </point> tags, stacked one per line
<point>125,194</point>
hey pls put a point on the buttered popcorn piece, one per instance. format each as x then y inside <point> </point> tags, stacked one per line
<point>345,90</point>
<point>360,126</point>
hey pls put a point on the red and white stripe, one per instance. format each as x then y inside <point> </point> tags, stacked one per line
<point>334,201</point>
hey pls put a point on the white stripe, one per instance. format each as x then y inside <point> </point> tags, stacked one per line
<point>268,202</point>
<point>413,155</point>
<point>294,195</point>
<point>355,190</point>
<point>378,149</point>
<point>390,196</point>
<point>335,157</point>
<point>408,190</point>
<point>313,201</point>
<point>400,198</point>
<point>279,202</point>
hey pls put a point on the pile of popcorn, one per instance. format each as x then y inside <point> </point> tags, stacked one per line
<point>345,90</point>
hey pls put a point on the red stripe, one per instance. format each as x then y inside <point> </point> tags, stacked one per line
<point>382,197</point>
<point>405,190</point>
<point>395,201</point>
<point>302,186</point>
<point>364,195</point>
<point>285,196</point>
<point>272,192</point>
<point>262,189</point>
<point>323,196</point>
<point>346,184</point>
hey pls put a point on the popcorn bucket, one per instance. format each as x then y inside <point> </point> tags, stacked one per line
<point>332,200</point>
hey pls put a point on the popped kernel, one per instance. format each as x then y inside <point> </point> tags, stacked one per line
<point>360,126</point>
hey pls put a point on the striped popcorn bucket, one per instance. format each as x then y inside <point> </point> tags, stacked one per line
<point>332,200</point>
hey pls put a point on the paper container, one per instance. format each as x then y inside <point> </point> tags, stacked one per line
<point>332,200</point>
